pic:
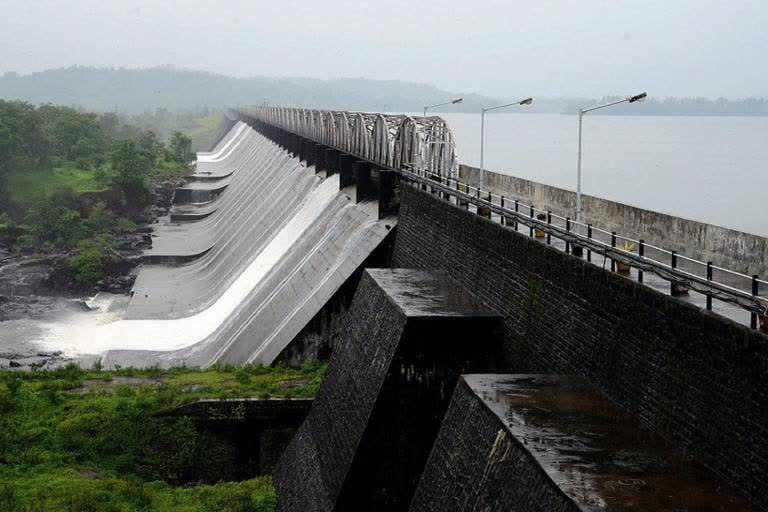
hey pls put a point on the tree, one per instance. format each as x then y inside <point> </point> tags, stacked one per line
<point>75,136</point>
<point>54,223</point>
<point>180,148</point>
<point>109,123</point>
<point>130,164</point>
<point>22,143</point>
<point>150,146</point>
<point>131,169</point>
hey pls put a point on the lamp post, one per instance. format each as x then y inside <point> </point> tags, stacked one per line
<point>628,99</point>
<point>526,101</point>
<point>452,102</point>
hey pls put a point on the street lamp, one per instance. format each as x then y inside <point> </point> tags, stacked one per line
<point>628,99</point>
<point>452,102</point>
<point>526,101</point>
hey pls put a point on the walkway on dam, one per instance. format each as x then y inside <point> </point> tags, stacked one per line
<point>650,279</point>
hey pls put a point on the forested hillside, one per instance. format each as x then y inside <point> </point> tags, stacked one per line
<point>139,90</point>
<point>72,182</point>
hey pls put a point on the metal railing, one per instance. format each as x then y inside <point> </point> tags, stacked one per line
<point>388,140</point>
<point>683,273</point>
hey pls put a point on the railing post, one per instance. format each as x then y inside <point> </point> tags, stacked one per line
<point>549,223</point>
<point>568,230</point>
<point>641,253</point>
<point>672,288</point>
<point>676,289</point>
<point>709,278</point>
<point>589,237</point>
<point>613,244</point>
<point>755,288</point>
<point>503,218</point>
<point>517,209</point>
<point>530,228</point>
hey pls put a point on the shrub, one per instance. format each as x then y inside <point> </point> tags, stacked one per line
<point>87,267</point>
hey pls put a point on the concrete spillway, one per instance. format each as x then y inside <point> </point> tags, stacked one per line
<point>240,283</point>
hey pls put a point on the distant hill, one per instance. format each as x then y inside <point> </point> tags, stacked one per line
<point>133,91</point>
<point>137,90</point>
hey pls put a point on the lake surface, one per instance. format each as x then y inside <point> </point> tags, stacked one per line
<point>711,169</point>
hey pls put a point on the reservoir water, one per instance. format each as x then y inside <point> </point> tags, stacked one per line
<point>711,169</point>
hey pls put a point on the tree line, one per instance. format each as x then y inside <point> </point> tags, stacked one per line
<point>133,91</point>
<point>72,181</point>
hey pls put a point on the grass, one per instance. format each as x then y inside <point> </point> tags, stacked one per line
<point>203,131</point>
<point>90,441</point>
<point>27,184</point>
<point>168,169</point>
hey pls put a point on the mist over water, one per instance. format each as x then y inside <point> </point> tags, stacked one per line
<point>710,169</point>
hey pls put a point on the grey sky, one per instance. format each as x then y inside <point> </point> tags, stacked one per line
<point>537,47</point>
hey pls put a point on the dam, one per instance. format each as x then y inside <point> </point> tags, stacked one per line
<point>485,350</point>
<point>256,244</point>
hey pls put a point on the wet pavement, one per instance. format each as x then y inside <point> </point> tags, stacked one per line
<point>595,452</point>
<point>421,293</point>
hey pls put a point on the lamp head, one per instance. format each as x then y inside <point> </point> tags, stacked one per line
<point>526,101</point>
<point>638,97</point>
<point>457,100</point>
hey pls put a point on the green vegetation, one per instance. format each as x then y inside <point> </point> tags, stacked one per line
<point>73,181</point>
<point>90,441</point>
<point>203,130</point>
<point>180,147</point>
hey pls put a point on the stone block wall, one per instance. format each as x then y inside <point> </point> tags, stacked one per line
<point>407,338</point>
<point>698,379</point>
<point>477,465</point>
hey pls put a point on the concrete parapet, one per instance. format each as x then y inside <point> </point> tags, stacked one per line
<point>729,248</point>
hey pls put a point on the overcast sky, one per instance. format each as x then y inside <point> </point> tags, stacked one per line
<point>503,48</point>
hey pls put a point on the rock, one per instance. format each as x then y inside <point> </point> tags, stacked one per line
<point>83,305</point>
<point>14,364</point>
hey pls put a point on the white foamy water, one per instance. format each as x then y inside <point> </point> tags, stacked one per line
<point>226,150</point>
<point>103,331</point>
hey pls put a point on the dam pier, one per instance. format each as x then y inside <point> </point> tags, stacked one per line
<point>486,352</point>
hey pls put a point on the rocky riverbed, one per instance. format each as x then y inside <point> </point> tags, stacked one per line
<point>36,292</point>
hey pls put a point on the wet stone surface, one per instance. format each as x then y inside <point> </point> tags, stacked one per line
<point>420,293</point>
<point>588,448</point>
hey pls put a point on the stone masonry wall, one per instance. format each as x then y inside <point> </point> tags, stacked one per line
<point>475,465</point>
<point>697,379</point>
